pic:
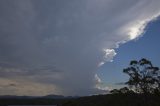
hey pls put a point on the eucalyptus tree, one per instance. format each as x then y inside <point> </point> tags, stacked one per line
<point>143,76</point>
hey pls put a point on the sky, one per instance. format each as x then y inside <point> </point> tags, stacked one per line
<point>73,47</point>
<point>146,46</point>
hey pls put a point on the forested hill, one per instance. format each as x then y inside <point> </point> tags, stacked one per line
<point>118,99</point>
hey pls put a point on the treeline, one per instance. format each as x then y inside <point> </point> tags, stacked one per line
<point>115,99</point>
<point>28,101</point>
<point>118,99</point>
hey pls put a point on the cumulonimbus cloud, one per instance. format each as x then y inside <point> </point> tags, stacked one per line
<point>60,44</point>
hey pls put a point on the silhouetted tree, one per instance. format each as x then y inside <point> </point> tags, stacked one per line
<point>144,77</point>
<point>115,91</point>
<point>124,90</point>
<point>121,91</point>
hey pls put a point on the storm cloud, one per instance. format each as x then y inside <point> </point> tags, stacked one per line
<point>57,46</point>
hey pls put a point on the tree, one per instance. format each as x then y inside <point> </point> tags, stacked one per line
<point>143,76</point>
<point>124,90</point>
<point>115,91</point>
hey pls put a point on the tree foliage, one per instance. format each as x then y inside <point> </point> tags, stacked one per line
<point>143,76</point>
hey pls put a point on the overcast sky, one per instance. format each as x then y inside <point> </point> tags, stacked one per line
<point>57,46</point>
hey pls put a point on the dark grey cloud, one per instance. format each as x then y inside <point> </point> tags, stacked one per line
<point>59,44</point>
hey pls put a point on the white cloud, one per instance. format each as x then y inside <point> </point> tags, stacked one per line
<point>98,80</point>
<point>100,85</point>
<point>137,28</point>
<point>108,57</point>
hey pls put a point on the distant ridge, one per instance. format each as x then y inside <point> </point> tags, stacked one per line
<point>31,97</point>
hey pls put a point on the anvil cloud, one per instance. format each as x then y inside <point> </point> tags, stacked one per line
<point>56,46</point>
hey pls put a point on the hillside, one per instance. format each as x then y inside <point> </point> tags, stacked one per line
<point>116,100</point>
<point>119,99</point>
